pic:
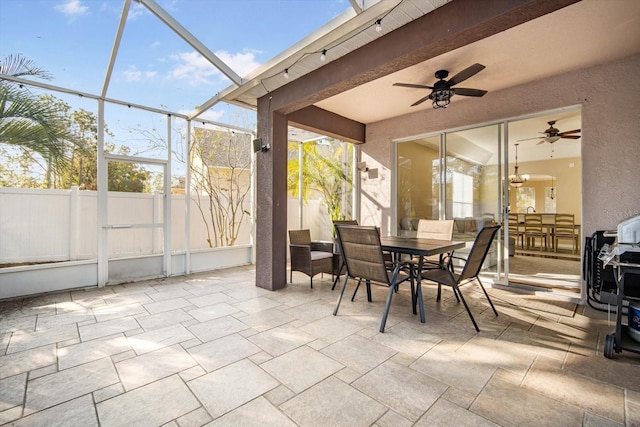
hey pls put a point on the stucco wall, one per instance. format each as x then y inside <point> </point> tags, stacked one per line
<point>610,98</point>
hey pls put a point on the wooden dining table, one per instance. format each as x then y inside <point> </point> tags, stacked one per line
<point>419,247</point>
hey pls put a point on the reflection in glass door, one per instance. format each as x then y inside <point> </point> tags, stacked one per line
<point>466,176</point>
<point>418,178</point>
<point>472,189</point>
<point>455,176</point>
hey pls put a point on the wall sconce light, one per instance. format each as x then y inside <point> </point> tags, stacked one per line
<point>362,167</point>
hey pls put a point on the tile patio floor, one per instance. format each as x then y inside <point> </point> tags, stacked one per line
<point>212,349</point>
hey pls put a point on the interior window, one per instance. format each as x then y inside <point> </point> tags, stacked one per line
<point>550,200</point>
<point>525,199</point>
<point>462,195</point>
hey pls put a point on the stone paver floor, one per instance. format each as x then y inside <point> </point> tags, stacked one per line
<point>213,349</point>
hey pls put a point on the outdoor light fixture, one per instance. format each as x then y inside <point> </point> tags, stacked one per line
<point>323,57</point>
<point>517,180</point>
<point>286,73</point>
<point>379,25</point>
<point>441,98</point>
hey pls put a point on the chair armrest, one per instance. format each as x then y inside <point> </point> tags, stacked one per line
<point>322,246</point>
<point>300,251</point>
<point>447,261</point>
<point>300,257</point>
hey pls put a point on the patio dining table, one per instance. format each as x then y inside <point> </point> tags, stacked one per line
<point>421,248</point>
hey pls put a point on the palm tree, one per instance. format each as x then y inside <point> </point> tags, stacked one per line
<point>27,121</point>
<point>322,173</point>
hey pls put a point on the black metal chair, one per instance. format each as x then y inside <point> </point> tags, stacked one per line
<point>340,267</point>
<point>470,271</point>
<point>364,260</point>
<point>309,257</point>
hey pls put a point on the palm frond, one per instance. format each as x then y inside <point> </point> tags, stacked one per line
<point>19,66</point>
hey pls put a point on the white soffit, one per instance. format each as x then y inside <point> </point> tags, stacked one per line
<point>341,36</point>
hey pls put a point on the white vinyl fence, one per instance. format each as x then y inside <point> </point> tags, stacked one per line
<point>61,225</point>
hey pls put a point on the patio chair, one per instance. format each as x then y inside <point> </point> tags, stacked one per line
<point>435,229</point>
<point>432,229</point>
<point>309,257</point>
<point>364,260</point>
<point>340,267</point>
<point>470,271</point>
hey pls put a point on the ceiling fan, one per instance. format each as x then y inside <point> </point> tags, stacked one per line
<point>443,90</point>
<point>552,134</point>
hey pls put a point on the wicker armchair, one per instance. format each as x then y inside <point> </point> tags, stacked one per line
<point>309,257</point>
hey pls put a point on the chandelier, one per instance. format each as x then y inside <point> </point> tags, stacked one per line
<point>517,180</point>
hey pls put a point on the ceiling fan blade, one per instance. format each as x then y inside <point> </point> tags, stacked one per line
<point>529,139</point>
<point>468,92</point>
<point>466,73</point>
<point>420,101</point>
<point>569,136</point>
<point>412,85</point>
<point>541,142</point>
<point>569,131</point>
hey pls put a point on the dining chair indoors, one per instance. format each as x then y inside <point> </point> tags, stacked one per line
<point>364,260</point>
<point>564,229</point>
<point>533,229</point>
<point>515,229</point>
<point>470,271</point>
<point>309,257</point>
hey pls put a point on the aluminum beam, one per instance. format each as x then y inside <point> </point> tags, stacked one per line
<point>116,46</point>
<point>191,40</point>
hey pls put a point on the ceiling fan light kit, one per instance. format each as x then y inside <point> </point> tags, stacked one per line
<point>443,90</point>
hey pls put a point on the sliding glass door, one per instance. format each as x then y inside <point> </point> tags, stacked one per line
<point>472,188</point>
<point>454,175</point>
<point>465,175</point>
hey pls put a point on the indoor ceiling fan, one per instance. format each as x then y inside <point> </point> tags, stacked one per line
<point>552,134</point>
<point>443,90</point>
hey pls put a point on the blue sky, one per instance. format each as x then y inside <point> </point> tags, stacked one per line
<point>72,40</point>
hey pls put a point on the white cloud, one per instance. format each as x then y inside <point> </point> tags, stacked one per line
<point>136,10</point>
<point>194,68</point>
<point>72,8</point>
<point>132,74</point>
<point>191,66</point>
<point>241,63</point>
<point>214,116</point>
